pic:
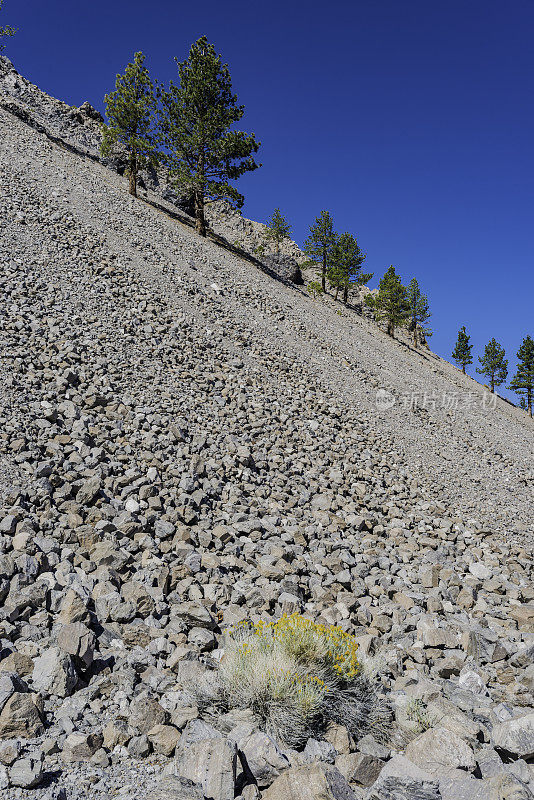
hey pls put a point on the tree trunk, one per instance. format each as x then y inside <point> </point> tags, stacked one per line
<point>529,402</point>
<point>132,174</point>
<point>463,368</point>
<point>415,337</point>
<point>200,219</point>
<point>323,274</point>
<point>345,294</point>
<point>337,292</point>
<point>492,386</point>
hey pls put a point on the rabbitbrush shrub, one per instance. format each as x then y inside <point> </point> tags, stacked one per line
<point>297,676</point>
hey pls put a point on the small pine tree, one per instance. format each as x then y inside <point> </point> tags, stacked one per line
<point>419,311</point>
<point>523,381</point>
<point>462,352</point>
<point>493,364</point>
<point>319,244</point>
<point>6,31</point>
<point>278,229</point>
<point>314,289</point>
<point>130,110</point>
<point>391,302</point>
<point>202,151</point>
<point>346,263</point>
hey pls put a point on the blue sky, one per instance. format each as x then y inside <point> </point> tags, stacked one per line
<point>412,122</point>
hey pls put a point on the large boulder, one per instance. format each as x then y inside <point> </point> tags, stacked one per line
<point>78,641</point>
<point>515,736</point>
<point>500,787</point>
<point>54,673</point>
<point>438,750</point>
<point>318,781</point>
<point>26,772</point>
<point>194,615</point>
<point>263,758</point>
<point>211,765</point>
<point>81,746</point>
<point>21,716</point>
<point>145,713</point>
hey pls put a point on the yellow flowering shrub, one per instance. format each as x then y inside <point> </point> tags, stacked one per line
<point>326,647</point>
<point>296,675</point>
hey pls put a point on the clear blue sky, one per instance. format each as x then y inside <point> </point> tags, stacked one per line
<point>412,122</point>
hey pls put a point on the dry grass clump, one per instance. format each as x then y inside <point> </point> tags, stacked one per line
<point>297,675</point>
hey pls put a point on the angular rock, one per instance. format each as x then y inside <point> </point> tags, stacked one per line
<point>515,736</point>
<point>20,717</point>
<point>77,640</point>
<point>438,750</point>
<point>81,746</point>
<point>26,772</point>
<point>54,673</point>
<point>263,757</point>
<point>210,764</point>
<point>314,782</point>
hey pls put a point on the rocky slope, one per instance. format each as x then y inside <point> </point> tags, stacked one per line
<point>188,442</point>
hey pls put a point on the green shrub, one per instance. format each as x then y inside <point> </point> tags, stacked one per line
<point>296,676</point>
<point>418,713</point>
<point>314,289</point>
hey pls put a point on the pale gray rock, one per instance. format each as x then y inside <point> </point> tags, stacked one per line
<point>438,750</point>
<point>81,747</point>
<point>263,757</point>
<point>515,736</point>
<point>26,772</point>
<point>210,764</point>
<point>54,673</point>
<point>318,781</point>
<point>77,640</point>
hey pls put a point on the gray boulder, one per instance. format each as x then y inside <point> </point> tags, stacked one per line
<point>21,717</point>
<point>54,673</point>
<point>438,750</point>
<point>315,782</point>
<point>78,641</point>
<point>211,765</point>
<point>26,772</point>
<point>515,736</point>
<point>263,758</point>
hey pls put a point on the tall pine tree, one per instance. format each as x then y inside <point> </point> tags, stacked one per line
<point>462,351</point>
<point>493,364</point>
<point>6,31</point>
<point>130,110</point>
<point>320,243</point>
<point>202,151</point>
<point>346,262</point>
<point>419,311</point>
<point>391,303</point>
<point>278,229</point>
<point>523,381</point>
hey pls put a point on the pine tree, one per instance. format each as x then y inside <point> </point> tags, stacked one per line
<point>202,151</point>
<point>130,110</point>
<point>419,311</point>
<point>462,352</point>
<point>523,381</point>
<point>319,244</point>
<point>391,302</point>
<point>5,31</point>
<point>278,229</point>
<point>346,262</point>
<point>493,364</point>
